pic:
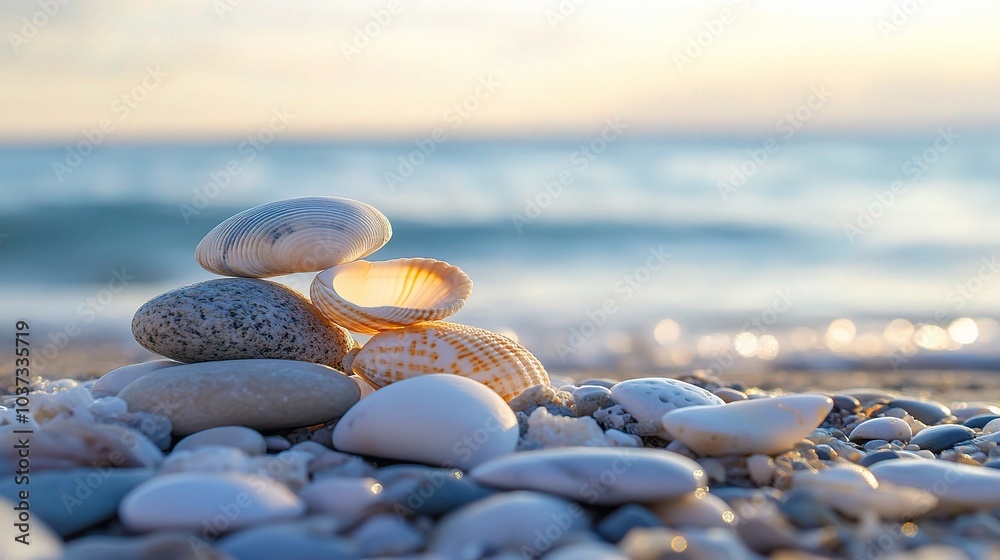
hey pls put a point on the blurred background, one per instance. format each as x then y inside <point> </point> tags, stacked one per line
<point>738,186</point>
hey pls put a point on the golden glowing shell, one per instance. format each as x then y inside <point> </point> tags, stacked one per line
<point>368,297</point>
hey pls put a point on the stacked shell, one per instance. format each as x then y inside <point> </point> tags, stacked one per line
<point>400,302</point>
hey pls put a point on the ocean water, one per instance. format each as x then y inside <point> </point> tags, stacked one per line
<point>638,253</point>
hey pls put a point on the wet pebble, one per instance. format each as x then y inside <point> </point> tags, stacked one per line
<point>927,411</point>
<point>980,421</point>
<point>938,438</point>
<point>414,490</point>
<point>618,523</point>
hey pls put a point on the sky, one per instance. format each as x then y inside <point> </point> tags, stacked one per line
<point>194,70</point>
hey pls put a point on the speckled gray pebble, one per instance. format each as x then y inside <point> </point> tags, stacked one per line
<point>589,398</point>
<point>239,318</point>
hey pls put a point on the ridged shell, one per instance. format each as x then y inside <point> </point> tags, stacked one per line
<point>295,235</point>
<point>368,297</point>
<point>438,347</point>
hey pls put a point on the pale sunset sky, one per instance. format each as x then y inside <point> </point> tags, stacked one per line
<point>194,70</point>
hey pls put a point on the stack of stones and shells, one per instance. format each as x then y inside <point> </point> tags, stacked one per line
<point>268,431</point>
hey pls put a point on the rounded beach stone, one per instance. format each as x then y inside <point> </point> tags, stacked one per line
<point>886,428</point>
<point>437,419</point>
<point>72,500</point>
<point>508,522</point>
<point>259,394</point>
<point>245,439</point>
<point>765,425</point>
<point>701,510</point>
<point>981,421</point>
<point>190,501</point>
<point>236,319</point>
<point>596,475</point>
<point>111,383</point>
<point>957,487</point>
<point>939,438</point>
<point>347,499</point>
<point>927,411</point>
<point>647,399</point>
<point>307,539</point>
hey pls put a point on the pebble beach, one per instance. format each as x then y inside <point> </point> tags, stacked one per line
<point>253,424</point>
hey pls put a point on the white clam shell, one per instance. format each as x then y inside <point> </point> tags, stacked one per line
<point>368,297</point>
<point>295,235</point>
<point>438,347</point>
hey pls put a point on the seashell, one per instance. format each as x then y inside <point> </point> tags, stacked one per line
<point>438,347</point>
<point>368,297</point>
<point>296,235</point>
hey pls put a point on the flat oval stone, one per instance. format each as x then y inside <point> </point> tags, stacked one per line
<point>927,411</point>
<point>508,522</point>
<point>111,383</point>
<point>596,475</point>
<point>242,438</point>
<point>939,438</point>
<point>980,421</point>
<point>958,487</point>
<point>188,501</point>
<point>308,539</point>
<point>702,510</point>
<point>965,410</point>
<point>885,428</point>
<point>346,499</point>
<point>647,399</point>
<point>853,490</point>
<point>438,419</point>
<point>766,425</point>
<point>72,500</point>
<point>417,490</point>
<point>237,319</point>
<point>259,394</point>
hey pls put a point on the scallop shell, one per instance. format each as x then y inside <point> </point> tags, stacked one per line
<point>296,235</point>
<point>438,347</point>
<point>368,297</point>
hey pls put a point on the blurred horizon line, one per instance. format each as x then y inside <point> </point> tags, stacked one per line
<point>713,136</point>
